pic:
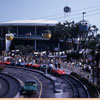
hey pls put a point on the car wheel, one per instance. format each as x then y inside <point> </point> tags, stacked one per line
<point>35,91</point>
<point>21,91</point>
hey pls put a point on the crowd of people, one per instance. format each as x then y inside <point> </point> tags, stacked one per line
<point>54,60</point>
<point>31,58</point>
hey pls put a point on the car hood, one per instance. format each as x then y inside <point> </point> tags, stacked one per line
<point>29,88</point>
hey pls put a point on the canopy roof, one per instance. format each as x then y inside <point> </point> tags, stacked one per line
<point>30,22</point>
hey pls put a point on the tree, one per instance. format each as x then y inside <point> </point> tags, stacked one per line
<point>77,34</point>
<point>94,45</point>
<point>63,32</point>
<point>24,49</point>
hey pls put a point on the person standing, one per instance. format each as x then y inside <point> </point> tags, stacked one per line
<point>56,64</point>
<point>59,63</point>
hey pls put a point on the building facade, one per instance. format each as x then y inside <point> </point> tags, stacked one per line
<point>27,32</point>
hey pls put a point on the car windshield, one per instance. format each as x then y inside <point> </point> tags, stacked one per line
<point>29,84</point>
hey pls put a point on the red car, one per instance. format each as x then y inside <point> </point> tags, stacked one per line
<point>37,66</point>
<point>61,72</point>
<point>58,72</point>
<point>7,62</point>
<point>28,65</point>
<point>1,62</point>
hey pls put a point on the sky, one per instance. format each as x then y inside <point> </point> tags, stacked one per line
<point>51,10</point>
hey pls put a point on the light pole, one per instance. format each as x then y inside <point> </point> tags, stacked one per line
<point>66,11</point>
<point>83,15</point>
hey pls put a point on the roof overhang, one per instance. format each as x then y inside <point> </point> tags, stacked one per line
<point>29,23</point>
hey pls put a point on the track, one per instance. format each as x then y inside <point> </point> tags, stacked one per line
<point>71,87</point>
<point>45,86</point>
<point>9,86</point>
<point>77,89</point>
<point>4,87</point>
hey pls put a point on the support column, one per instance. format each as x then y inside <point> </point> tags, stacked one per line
<point>2,43</point>
<point>1,38</point>
<point>77,46</point>
<point>35,45</point>
<point>35,42</point>
<point>35,31</point>
<point>1,31</point>
<point>17,31</point>
<point>59,46</point>
<point>8,41</point>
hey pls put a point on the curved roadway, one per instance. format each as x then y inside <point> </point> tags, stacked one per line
<point>71,88</point>
<point>9,86</point>
<point>45,86</point>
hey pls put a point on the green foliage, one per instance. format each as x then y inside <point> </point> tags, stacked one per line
<point>94,43</point>
<point>23,49</point>
<point>74,55</point>
<point>71,31</point>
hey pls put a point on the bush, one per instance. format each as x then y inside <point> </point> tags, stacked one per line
<point>1,68</point>
<point>90,86</point>
<point>74,55</point>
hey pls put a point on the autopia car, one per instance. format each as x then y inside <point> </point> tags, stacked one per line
<point>30,86</point>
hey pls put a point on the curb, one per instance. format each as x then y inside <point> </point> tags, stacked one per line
<point>58,88</point>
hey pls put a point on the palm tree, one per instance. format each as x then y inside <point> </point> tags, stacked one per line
<point>60,33</point>
<point>74,32</point>
<point>94,45</point>
<point>56,34</point>
<point>94,29</point>
<point>83,31</point>
<point>98,56</point>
